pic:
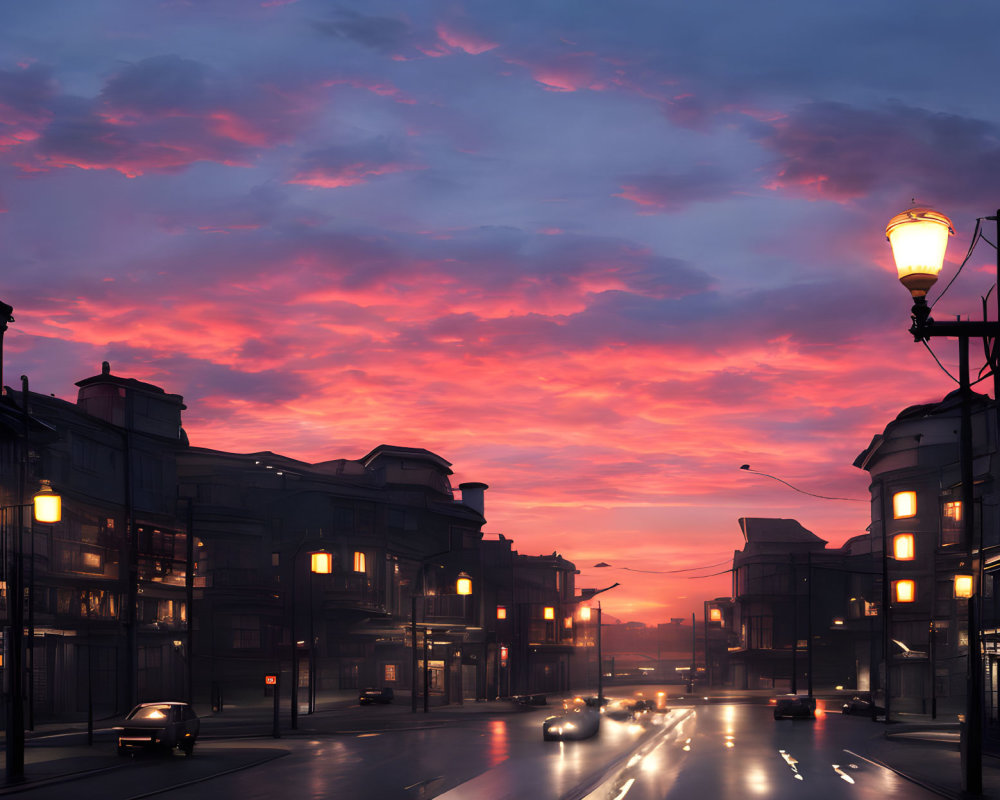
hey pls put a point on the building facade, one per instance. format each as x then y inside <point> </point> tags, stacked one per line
<point>801,613</point>
<point>185,572</point>
<point>918,525</point>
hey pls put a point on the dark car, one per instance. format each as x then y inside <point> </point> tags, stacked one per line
<point>159,726</point>
<point>795,706</point>
<point>369,696</point>
<point>861,704</point>
<point>579,719</point>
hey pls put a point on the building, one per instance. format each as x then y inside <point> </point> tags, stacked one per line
<point>185,572</point>
<point>918,527</point>
<point>107,610</point>
<point>800,611</point>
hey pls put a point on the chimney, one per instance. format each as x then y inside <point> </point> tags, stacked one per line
<point>473,496</point>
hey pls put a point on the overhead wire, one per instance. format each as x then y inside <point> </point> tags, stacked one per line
<point>990,353</point>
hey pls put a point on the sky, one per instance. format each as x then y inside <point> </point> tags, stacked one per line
<point>597,255</point>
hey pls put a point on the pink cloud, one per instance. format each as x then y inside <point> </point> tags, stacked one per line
<point>346,174</point>
<point>464,40</point>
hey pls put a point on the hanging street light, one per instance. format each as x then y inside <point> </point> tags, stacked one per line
<point>919,239</point>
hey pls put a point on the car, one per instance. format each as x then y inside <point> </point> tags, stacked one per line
<point>159,726</point>
<point>579,719</point>
<point>529,700</point>
<point>381,696</point>
<point>861,704</point>
<point>628,708</point>
<point>795,706</point>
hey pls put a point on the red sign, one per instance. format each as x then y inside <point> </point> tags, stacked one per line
<point>270,680</point>
<point>503,654</point>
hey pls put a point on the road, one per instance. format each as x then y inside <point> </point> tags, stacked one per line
<point>736,752</point>
<point>715,750</point>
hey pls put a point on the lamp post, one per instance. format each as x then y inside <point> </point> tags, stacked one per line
<point>919,238</point>
<point>586,616</point>
<point>463,588</point>
<point>319,562</point>
<point>47,507</point>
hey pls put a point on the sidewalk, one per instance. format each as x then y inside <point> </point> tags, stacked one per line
<point>923,751</point>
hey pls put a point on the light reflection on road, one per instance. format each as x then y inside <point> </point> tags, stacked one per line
<point>736,751</point>
<point>499,742</point>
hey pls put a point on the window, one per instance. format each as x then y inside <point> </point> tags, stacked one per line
<point>359,561</point>
<point>904,591</point>
<point>903,547</point>
<point>904,504</point>
<point>760,632</point>
<point>246,632</point>
<point>390,673</point>
<point>951,522</point>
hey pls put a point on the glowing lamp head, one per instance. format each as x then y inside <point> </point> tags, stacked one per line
<point>463,585</point>
<point>715,614</point>
<point>501,612</point>
<point>963,586</point>
<point>321,562</point>
<point>585,613</point>
<point>919,237</point>
<point>48,504</point>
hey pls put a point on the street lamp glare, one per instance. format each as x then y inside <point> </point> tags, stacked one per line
<point>48,504</point>
<point>463,585</point>
<point>919,237</point>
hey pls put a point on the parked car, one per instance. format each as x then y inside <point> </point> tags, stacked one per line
<point>795,706</point>
<point>159,726</point>
<point>383,695</point>
<point>861,704</point>
<point>529,700</point>
<point>579,720</point>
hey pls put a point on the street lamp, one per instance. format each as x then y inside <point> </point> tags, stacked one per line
<point>919,237</point>
<point>47,507</point>
<point>320,562</point>
<point>463,588</point>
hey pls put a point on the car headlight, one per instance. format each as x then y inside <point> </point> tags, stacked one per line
<point>569,726</point>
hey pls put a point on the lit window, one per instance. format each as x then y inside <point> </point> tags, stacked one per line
<point>963,586</point>
<point>904,504</point>
<point>715,614</point>
<point>568,622</point>
<point>585,613</point>
<point>501,612</point>
<point>549,613</point>
<point>321,563</point>
<point>390,673</point>
<point>903,547</point>
<point>359,561</point>
<point>905,591</point>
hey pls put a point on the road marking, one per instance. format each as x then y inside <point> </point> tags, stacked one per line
<point>843,775</point>
<point>792,761</point>
<point>625,788</point>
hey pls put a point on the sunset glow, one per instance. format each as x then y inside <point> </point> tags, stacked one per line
<point>597,256</point>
